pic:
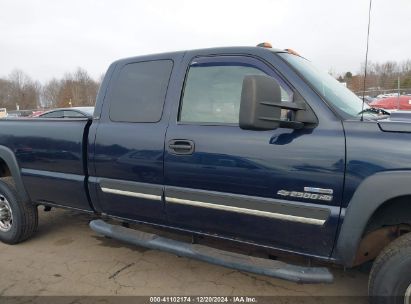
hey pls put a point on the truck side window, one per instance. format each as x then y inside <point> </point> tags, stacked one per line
<point>138,93</point>
<point>212,94</point>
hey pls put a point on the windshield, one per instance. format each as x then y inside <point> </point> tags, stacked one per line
<point>329,88</point>
<point>87,110</point>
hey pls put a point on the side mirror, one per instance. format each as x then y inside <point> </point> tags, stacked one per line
<point>261,106</point>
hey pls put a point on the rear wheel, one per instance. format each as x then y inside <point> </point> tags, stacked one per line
<point>390,277</point>
<point>18,219</point>
<point>407,298</point>
<point>6,215</point>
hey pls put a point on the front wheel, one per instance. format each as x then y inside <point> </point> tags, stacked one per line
<point>18,219</point>
<point>390,277</point>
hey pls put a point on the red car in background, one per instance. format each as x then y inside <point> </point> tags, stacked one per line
<point>36,113</point>
<point>391,103</point>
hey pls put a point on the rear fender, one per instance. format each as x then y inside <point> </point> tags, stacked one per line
<point>9,158</point>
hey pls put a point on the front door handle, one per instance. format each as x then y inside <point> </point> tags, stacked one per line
<point>181,146</point>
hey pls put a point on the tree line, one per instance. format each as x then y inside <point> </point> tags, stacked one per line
<point>385,76</point>
<point>18,90</point>
<point>78,88</point>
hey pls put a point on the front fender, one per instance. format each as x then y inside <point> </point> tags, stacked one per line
<point>374,191</point>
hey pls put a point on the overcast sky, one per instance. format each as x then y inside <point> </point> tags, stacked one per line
<point>47,38</point>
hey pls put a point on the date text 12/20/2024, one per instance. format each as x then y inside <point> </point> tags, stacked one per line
<point>203,299</point>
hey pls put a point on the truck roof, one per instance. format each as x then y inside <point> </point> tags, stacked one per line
<point>216,50</point>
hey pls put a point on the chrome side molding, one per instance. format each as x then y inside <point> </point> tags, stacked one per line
<point>131,193</point>
<point>274,215</point>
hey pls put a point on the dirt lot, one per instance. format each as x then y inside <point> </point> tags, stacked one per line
<point>67,258</point>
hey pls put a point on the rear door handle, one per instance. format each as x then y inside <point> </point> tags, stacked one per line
<point>181,146</point>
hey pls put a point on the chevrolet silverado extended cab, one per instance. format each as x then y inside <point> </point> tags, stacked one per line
<point>247,144</point>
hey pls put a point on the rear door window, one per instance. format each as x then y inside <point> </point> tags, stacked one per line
<point>138,93</point>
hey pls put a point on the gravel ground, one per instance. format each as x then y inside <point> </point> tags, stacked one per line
<point>67,258</point>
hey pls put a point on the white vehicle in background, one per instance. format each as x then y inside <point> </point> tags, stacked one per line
<point>386,95</point>
<point>3,112</point>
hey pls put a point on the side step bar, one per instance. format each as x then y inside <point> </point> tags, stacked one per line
<point>275,269</point>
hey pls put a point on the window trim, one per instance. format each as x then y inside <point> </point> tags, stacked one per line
<point>224,59</point>
<point>116,77</point>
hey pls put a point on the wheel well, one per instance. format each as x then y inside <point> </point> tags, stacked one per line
<point>391,220</point>
<point>395,211</point>
<point>4,169</point>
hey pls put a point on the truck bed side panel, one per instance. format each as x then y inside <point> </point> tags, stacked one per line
<point>50,156</point>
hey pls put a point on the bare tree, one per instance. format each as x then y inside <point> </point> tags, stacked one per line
<point>77,89</point>
<point>73,89</point>
<point>5,93</point>
<point>383,78</point>
<point>50,93</point>
<point>406,67</point>
<point>23,92</point>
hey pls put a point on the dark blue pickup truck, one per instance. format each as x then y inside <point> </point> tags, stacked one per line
<point>248,144</point>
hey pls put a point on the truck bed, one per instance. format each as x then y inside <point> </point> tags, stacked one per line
<point>50,153</point>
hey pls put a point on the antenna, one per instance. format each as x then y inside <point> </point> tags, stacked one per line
<point>366,61</point>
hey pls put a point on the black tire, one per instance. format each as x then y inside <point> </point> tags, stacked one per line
<point>24,214</point>
<point>390,277</point>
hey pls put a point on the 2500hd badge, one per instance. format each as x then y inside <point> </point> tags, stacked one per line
<point>310,193</point>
